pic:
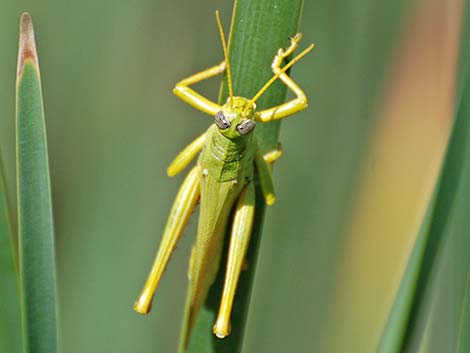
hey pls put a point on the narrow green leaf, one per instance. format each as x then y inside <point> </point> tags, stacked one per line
<point>10,319</point>
<point>259,29</point>
<point>395,329</point>
<point>431,312</point>
<point>35,225</point>
<point>440,318</point>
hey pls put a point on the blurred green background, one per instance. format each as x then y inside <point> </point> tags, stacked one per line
<point>108,69</point>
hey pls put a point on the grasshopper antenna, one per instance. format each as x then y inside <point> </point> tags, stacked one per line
<point>227,62</point>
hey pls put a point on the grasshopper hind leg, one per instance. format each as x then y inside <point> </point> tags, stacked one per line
<point>184,203</point>
<point>239,240</point>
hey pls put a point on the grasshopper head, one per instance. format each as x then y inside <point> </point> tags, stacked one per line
<point>236,118</point>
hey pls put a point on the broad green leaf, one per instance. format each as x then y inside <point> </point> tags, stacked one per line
<point>35,225</point>
<point>10,319</point>
<point>259,29</point>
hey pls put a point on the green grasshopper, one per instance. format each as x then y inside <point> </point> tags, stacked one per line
<point>222,178</point>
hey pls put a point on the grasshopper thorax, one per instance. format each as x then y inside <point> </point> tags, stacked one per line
<point>236,119</point>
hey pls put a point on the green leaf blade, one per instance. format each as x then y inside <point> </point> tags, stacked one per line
<point>35,225</point>
<point>431,311</point>
<point>10,318</point>
<point>440,319</point>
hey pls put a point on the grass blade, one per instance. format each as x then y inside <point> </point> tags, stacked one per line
<point>393,210</point>
<point>441,312</point>
<point>259,29</point>
<point>35,226</point>
<point>10,319</point>
<point>441,317</point>
<point>395,329</point>
<point>417,322</point>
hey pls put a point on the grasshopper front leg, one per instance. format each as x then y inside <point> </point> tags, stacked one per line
<point>297,104</point>
<point>239,240</point>
<point>193,98</point>
<point>183,206</point>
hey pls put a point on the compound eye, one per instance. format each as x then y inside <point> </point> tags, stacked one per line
<point>246,127</point>
<point>221,121</point>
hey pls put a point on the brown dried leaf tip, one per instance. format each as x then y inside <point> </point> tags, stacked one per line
<point>27,45</point>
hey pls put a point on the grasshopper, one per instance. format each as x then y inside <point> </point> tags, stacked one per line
<point>222,181</point>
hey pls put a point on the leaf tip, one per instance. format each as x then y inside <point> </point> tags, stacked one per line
<point>27,44</point>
